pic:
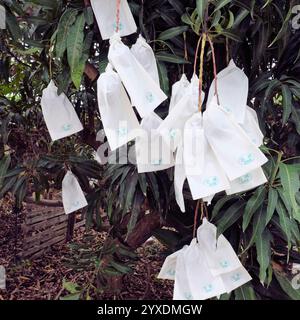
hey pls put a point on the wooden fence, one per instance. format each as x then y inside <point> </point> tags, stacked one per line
<point>46,226</point>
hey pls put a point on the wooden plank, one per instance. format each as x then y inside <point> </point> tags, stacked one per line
<point>47,223</point>
<point>44,233</point>
<point>39,243</point>
<point>44,245</point>
<point>44,216</point>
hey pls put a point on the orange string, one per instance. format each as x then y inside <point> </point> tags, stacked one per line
<point>118,15</point>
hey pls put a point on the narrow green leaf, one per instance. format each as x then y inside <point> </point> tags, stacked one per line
<point>263,249</point>
<point>221,4</point>
<point>272,202</point>
<point>253,204</point>
<point>286,103</point>
<point>284,222</point>
<point>167,57</point>
<point>172,33</point>
<point>65,22</point>
<point>201,7</point>
<point>291,185</point>
<point>75,48</point>
<point>230,216</point>
<point>245,292</point>
<point>286,286</point>
<point>163,77</point>
<point>258,226</point>
<point>4,165</point>
<point>220,204</point>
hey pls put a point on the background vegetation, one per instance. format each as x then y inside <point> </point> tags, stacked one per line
<point>59,39</point>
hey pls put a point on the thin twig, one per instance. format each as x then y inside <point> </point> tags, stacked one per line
<point>215,68</point>
<point>201,72</point>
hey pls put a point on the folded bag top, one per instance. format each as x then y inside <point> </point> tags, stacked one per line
<point>145,93</point>
<point>72,196</point>
<point>202,283</point>
<point>152,153</point>
<point>219,254</point>
<point>145,56</point>
<point>179,89</point>
<point>59,114</point>
<point>105,12</point>
<point>172,127</point>
<point>119,120</point>
<point>223,134</point>
<point>233,87</point>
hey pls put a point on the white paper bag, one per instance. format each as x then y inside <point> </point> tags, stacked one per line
<point>59,114</point>
<point>233,149</point>
<point>179,177</point>
<point>152,153</point>
<point>173,125</point>
<point>179,89</point>
<point>72,196</point>
<point>182,289</point>
<point>145,56</point>
<point>106,12</point>
<point>119,120</point>
<point>2,17</point>
<point>233,86</point>
<point>193,142</point>
<point>202,283</point>
<point>235,279</point>
<point>219,254</point>
<point>204,173</point>
<point>247,182</point>
<point>251,127</point>
<point>168,269</point>
<point>144,92</point>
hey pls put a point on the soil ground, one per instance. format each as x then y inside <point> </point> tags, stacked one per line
<point>41,278</point>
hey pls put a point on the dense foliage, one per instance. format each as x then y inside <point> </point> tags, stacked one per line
<point>59,39</point>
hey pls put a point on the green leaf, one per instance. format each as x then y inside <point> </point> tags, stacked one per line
<point>283,29</point>
<point>167,57</point>
<point>253,204</point>
<point>291,185</point>
<point>172,33</point>
<point>258,226</point>
<point>231,20</point>
<point>243,13</point>
<point>163,77</point>
<point>75,49</point>
<point>272,202</point>
<point>89,15</point>
<point>216,18</point>
<point>65,22</point>
<point>4,165</point>
<point>220,204</point>
<point>286,103</point>
<point>71,287</point>
<point>120,267</point>
<point>221,4</point>
<point>135,211</point>
<point>284,222</point>
<point>230,216</point>
<point>286,286</point>
<point>201,8</point>
<point>263,249</point>
<point>245,292</point>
